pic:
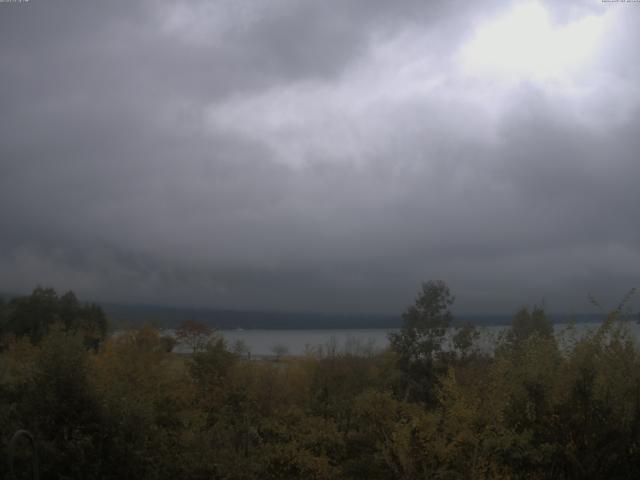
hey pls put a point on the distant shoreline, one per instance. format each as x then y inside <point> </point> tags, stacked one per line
<point>223,319</point>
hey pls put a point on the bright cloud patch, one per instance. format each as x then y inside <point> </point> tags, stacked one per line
<point>526,43</point>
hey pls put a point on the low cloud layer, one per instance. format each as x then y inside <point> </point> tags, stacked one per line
<point>321,156</point>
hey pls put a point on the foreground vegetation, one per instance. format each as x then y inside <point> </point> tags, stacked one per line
<point>537,407</point>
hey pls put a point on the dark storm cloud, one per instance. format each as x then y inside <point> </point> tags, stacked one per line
<point>310,155</point>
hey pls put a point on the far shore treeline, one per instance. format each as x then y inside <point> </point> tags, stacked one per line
<point>540,405</point>
<point>126,315</point>
<point>225,319</point>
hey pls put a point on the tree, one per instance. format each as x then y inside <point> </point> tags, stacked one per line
<point>464,339</point>
<point>33,315</point>
<point>61,408</point>
<point>194,334</point>
<point>526,323</point>
<point>211,365</point>
<point>418,345</point>
<point>144,395</point>
<point>3,318</point>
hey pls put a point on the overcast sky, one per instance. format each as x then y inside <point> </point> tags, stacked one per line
<point>321,155</point>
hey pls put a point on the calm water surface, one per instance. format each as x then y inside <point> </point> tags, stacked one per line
<point>297,342</point>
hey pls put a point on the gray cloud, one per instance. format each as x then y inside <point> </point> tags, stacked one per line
<point>312,156</point>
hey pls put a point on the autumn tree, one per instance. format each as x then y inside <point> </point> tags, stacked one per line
<point>145,395</point>
<point>194,334</point>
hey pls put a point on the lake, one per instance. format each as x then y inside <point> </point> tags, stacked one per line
<point>298,342</point>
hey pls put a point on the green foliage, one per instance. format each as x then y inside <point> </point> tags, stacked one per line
<point>210,367</point>
<point>418,345</point>
<point>527,323</point>
<point>425,322</point>
<point>33,315</point>
<point>46,390</point>
<point>465,339</point>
